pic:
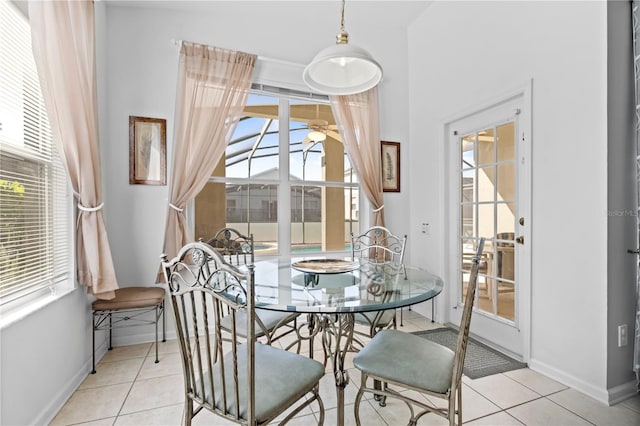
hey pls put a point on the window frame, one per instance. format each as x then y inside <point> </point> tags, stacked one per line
<point>57,198</point>
<point>283,183</point>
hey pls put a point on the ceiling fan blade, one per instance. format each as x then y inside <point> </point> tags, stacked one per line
<point>335,135</point>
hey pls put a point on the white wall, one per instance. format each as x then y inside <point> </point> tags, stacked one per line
<point>622,210</point>
<point>463,54</point>
<point>45,356</point>
<point>141,80</point>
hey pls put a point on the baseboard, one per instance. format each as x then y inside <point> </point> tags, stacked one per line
<point>597,393</point>
<point>49,412</point>
<point>624,391</point>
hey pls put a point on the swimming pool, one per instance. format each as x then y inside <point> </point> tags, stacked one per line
<point>263,248</point>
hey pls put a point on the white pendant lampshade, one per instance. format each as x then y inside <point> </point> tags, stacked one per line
<point>342,69</point>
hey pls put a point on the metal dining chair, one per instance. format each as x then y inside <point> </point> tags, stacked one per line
<point>238,249</point>
<point>378,247</point>
<point>407,361</point>
<point>244,381</point>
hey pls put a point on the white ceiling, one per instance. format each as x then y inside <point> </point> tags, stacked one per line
<point>384,13</point>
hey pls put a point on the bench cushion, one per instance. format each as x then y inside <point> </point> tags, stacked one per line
<point>131,298</point>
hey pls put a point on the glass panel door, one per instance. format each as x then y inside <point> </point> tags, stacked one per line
<point>488,209</point>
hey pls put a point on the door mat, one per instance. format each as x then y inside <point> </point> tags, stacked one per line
<point>480,360</point>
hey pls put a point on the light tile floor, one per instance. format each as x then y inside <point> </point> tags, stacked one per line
<point>130,389</point>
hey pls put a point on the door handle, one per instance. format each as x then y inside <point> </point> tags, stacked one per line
<point>520,239</point>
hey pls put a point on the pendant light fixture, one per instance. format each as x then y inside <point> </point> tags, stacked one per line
<point>342,69</point>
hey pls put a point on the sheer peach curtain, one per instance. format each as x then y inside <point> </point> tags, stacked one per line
<point>64,49</point>
<point>358,122</point>
<point>213,85</point>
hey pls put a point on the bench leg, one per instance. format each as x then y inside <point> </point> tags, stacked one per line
<point>110,328</point>
<point>93,336</point>
<point>164,324</point>
<point>157,310</point>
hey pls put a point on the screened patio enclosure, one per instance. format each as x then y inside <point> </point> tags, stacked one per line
<point>272,153</point>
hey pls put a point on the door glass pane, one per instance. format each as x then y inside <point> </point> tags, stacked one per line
<point>468,148</point>
<point>506,181</point>
<point>505,260</point>
<point>468,186</point>
<point>506,296</point>
<point>485,294</point>
<point>486,147</point>
<point>467,220</point>
<point>506,219</point>
<point>486,189</point>
<point>468,249</point>
<point>506,142</point>
<point>486,220</point>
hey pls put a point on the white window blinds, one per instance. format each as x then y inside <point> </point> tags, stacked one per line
<point>35,201</point>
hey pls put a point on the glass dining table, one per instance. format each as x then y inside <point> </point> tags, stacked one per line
<point>331,292</point>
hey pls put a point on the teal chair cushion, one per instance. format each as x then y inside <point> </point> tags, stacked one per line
<point>368,317</point>
<point>281,378</point>
<point>270,319</point>
<point>409,359</point>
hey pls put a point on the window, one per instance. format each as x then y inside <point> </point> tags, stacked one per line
<point>35,201</point>
<point>276,174</point>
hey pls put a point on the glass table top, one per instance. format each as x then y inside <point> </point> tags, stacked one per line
<point>361,287</point>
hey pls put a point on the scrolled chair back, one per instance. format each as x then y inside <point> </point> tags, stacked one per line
<point>378,245</point>
<point>235,248</point>
<point>211,297</point>
<point>203,289</point>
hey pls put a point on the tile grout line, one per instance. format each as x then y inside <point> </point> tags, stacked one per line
<point>132,384</point>
<point>569,410</point>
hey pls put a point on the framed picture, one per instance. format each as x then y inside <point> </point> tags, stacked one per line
<point>147,151</point>
<point>390,166</point>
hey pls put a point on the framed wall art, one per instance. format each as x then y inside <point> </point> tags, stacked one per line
<point>390,166</point>
<point>147,151</point>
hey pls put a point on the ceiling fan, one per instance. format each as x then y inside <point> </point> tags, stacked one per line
<point>318,129</point>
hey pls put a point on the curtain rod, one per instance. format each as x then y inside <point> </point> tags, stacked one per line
<point>178,43</point>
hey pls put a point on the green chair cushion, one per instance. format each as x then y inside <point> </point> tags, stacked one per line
<point>408,359</point>
<point>281,378</point>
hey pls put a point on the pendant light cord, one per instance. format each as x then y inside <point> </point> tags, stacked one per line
<point>343,36</point>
